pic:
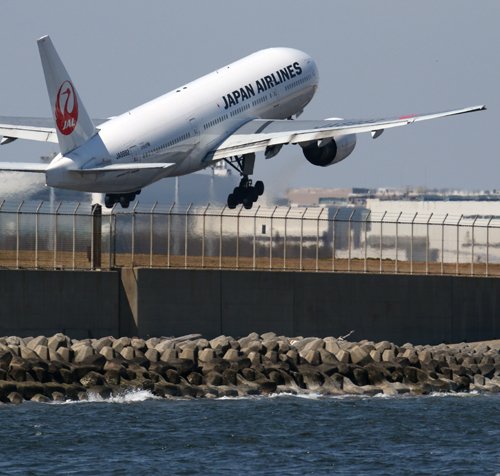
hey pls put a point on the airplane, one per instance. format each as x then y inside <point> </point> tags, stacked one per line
<point>246,107</point>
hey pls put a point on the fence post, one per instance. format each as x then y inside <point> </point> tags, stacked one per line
<point>220,237</point>
<point>317,239</point>
<point>458,247</point>
<point>203,237</point>
<point>112,238</point>
<point>366,244</point>
<point>427,245</point>
<point>301,237</point>
<point>17,233</point>
<point>55,235</point>
<point>381,236</point>
<point>74,235</point>
<point>238,238</point>
<point>334,229</point>
<point>411,243</point>
<point>169,225</point>
<point>186,235</point>
<point>95,262</point>
<point>271,239</point>
<point>36,232</point>
<point>285,238</point>
<point>488,246</point>
<point>349,241</point>
<point>472,248</point>
<point>397,241</point>
<point>442,242</point>
<point>254,236</point>
<point>132,251</point>
<point>151,225</point>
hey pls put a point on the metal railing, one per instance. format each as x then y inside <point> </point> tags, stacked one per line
<point>41,235</point>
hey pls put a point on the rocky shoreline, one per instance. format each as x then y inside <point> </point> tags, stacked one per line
<point>59,368</point>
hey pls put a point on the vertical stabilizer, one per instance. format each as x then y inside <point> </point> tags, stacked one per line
<point>73,125</point>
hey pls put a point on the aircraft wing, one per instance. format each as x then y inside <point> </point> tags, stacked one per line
<point>258,134</point>
<point>31,128</point>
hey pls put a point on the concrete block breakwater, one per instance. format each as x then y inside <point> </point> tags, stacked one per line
<point>58,368</point>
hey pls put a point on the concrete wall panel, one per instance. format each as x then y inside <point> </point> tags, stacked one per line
<point>475,309</point>
<point>178,302</point>
<point>376,307</point>
<point>79,303</point>
<point>401,308</point>
<point>257,301</point>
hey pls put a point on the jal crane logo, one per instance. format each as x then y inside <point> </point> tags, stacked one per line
<point>66,108</point>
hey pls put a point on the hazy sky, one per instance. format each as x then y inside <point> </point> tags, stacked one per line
<point>375,58</point>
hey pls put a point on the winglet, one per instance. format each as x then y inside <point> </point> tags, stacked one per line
<point>73,125</point>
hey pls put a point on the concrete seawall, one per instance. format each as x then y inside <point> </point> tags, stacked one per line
<point>77,303</point>
<point>156,302</point>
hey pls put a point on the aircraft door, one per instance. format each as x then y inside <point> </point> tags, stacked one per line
<point>195,130</point>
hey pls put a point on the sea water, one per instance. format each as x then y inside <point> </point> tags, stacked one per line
<point>138,433</point>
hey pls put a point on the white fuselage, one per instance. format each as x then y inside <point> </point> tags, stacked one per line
<point>184,125</point>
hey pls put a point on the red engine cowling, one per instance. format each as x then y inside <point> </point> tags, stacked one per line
<point>329,151</point>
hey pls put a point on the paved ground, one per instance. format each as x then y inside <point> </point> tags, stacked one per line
<point>69,260</point>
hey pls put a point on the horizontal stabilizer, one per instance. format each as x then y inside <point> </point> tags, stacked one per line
<point>31,128</point>
<point>22,167</point>
<point>27,132</point>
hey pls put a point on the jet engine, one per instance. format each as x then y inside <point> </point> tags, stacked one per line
<point>329,151</point>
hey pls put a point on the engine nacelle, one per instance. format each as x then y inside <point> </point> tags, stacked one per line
<point>329,151</point>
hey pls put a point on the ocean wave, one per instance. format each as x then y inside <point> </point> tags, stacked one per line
<point>131,396</point>
<point>380,395</point>
<point>137,396</point>
<point>305,395</point>
<point>473,393</point>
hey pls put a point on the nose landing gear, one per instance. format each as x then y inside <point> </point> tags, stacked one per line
<point>245,193</point>
<point>123,199</point>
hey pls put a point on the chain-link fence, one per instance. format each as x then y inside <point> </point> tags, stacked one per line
<point>42,235</point>
<point>349,239</point>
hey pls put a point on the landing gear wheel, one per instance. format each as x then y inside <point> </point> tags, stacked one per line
<point>239,194</point>
<point>232,202</point>
<point>252,194</point>
<point>259,187</point>
<point>247,203</point>
<point>109,201</point>
<point>124,201</point>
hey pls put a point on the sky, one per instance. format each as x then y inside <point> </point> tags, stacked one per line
<point>376,59</point>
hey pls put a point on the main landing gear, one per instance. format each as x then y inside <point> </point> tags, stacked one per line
<point>245,193</point>
<point>123,199</point>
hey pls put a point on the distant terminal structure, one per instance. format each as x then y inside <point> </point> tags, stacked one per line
<point>362,196</point>
<point>484,203</point>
